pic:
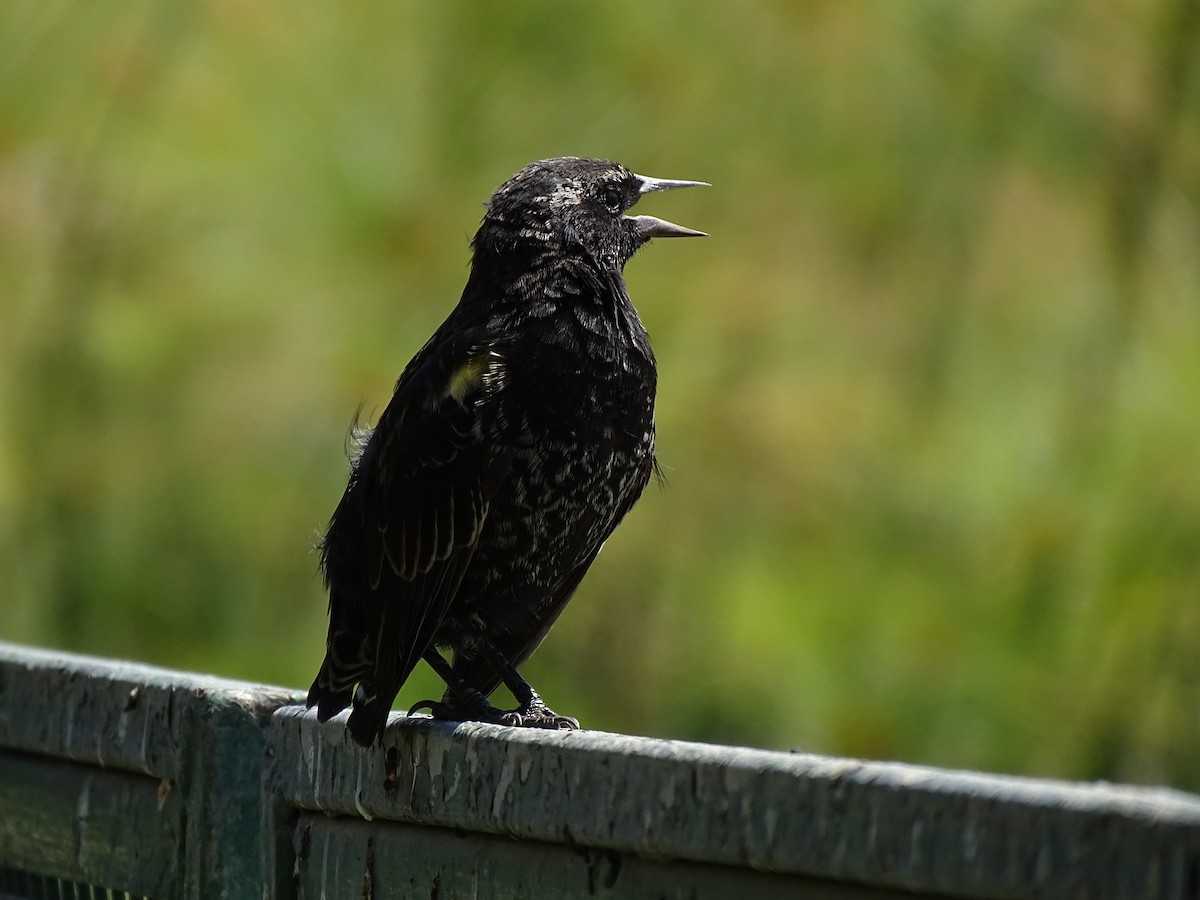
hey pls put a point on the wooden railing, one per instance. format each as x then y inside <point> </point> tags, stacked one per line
<point>120,780</point>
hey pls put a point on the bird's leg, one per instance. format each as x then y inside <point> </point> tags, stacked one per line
<point>469,705</point>
<point>531,711</point>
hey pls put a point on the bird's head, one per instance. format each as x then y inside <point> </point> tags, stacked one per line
<point>576,206</point>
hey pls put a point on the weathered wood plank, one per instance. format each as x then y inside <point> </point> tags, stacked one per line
<point>108,712</point>
<point>223,752</point>
<point>86,824</point>
<point>888,825</point>
<point>344,857</point>
<point>201,737</point>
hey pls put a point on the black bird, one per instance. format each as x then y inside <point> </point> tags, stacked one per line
<point>515,442</point>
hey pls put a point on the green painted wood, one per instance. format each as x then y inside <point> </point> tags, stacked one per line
<point>109,712</point>
<point>344,857</point>
<point>223,752</point>
<point>112,829</point>
<point>201,738</point>
<point>880,824</point>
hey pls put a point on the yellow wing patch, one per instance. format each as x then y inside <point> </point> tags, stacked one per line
<point>466,379</point>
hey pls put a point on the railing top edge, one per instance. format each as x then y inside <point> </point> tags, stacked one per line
<point>879,776</point>
<point>283,704</point>
<point>133,672</point>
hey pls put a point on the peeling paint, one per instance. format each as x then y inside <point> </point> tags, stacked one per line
<point>315,770</point>
<point>324,866</point>
<point>666,793</point>
<point>526,767</point>
<point>358,788</point>
<point>449,795</point>
<point>436,753</point>
<point>506,777</point>
<point>82,819</point>
<point>143,749</point>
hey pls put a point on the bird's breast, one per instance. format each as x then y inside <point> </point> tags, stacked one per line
<point>583,384</point>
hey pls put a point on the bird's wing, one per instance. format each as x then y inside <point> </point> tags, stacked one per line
<point>409,522</point>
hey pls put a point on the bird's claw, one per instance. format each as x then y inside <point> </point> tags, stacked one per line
<point>436,709</point>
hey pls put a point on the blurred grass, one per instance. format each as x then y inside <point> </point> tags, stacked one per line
<point>928,399</point>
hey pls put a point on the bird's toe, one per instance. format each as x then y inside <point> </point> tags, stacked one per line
<point>439,710</point>
<point>539,715</point>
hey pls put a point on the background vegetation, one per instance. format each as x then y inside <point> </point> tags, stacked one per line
<point>930,395</point>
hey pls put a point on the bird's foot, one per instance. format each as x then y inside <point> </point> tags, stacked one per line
<point>471,708</point>
<point>438,710</point>
<point>475,708</point>
<point>536,714</point>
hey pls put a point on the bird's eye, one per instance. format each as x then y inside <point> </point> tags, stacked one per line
<point>612,199</point>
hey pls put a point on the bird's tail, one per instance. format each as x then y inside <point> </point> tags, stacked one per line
<point>368,718</point>
<point>360,650</point>
<point>348,659</point>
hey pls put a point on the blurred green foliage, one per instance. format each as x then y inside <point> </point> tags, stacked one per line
<point>930,396</point>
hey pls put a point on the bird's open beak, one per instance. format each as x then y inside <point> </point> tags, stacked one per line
<point>651,227</point>
<point>651,185</point>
